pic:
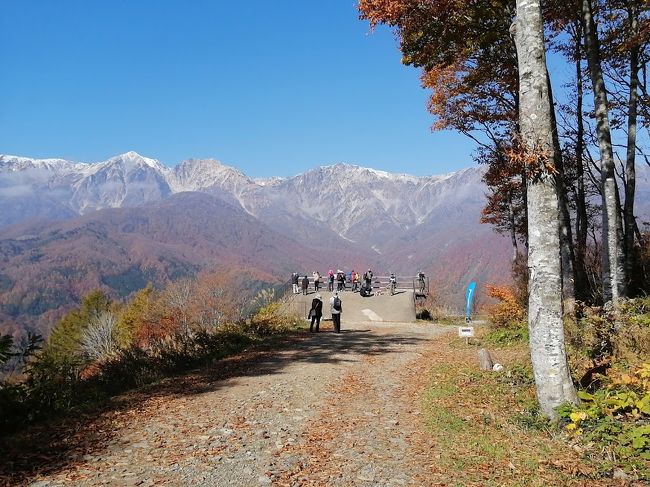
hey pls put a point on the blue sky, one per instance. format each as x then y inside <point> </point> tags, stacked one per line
<point>273,88</point>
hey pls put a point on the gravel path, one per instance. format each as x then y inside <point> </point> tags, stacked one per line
<point>328,410</point>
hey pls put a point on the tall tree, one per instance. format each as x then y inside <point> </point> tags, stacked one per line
<point>581,199</point>
<point>625,26</point>
<point>630,169</point>
<point>470,63</point>
<point>613,259</point>
<point>545,310</point>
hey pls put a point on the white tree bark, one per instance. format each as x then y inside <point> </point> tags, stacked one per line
<point>613,260</point>
<point>545,311</point>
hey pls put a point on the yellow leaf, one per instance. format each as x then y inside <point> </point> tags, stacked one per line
<point>578,416</point>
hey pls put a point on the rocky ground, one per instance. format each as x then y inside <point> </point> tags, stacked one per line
<point>327,409</point>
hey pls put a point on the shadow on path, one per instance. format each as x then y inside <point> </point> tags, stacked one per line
<point>48,448</point>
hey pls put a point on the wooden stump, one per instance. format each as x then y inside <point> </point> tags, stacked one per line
<point>485,360</point>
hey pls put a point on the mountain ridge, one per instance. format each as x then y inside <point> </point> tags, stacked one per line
<point>70,227</point>
<point>333,193</point>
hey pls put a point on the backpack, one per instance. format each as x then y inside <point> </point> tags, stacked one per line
<point>337,304</point>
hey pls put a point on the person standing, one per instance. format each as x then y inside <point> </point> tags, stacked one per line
<point>294,281</point>
<point>316,275</point>
<point>340,279</point>
<point>330,280</point>
<point>357,281</point>
<point>316,312</point>
<point>368,278</point>
<point>337,309</point>
<point>305,285</point>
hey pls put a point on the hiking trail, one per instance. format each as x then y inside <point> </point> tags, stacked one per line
<point>327,409</point>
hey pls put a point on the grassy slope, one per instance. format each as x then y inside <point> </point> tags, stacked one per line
<point>481,428</point>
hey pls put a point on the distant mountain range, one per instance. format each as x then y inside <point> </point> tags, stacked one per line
<point>69,227</point>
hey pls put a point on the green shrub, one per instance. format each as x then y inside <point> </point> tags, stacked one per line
<point>271,319</point>
<point>65,375</point>
<point>130,318</point>
<point>531,417</point>
<point>616,417</point>
<point>52,384</point>
<point>519,375</point>
<point>506,336</point>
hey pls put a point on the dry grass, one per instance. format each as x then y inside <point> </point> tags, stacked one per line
<point>481,428</point>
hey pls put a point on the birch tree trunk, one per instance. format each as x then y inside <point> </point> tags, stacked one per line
<point>613,259</point>
<point>567,255</point>
<point>545,311</point>
<point>630,170</point>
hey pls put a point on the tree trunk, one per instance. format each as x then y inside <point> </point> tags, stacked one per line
<point>581,200</point>
<point>513,230</point>
<point>546,329</point>
<point>630,170</point>
<point>613,261</point>
<point>524,199</point>
<point>566,237</point>
<point>485,359</point>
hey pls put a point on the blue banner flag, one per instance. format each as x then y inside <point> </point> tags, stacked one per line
<point>468,300</point>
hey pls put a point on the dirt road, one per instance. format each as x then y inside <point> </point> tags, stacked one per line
<point>329,409</point>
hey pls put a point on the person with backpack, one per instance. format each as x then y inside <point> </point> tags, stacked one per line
<point>368,278</point>
<point>336,308</point>
<point>305,285</point>
<point>421,281</point>
<point>315,312</point>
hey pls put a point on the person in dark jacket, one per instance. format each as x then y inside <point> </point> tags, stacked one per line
<point>340,278</point>
<point>336,310</point>
<point>305,285</point>
<point>316,312</point>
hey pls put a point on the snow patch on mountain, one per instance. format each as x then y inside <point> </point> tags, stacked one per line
<point>350,200</point>
<point>10,163</point>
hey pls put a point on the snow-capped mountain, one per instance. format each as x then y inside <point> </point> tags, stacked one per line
<point>64,189</point>
<point>211,176</point>
<point>386,217</point>
<point>363,204</point>
<point>351,201</point>
<point>16,163</point>
<point>123,181</point>
<point>131,219</point>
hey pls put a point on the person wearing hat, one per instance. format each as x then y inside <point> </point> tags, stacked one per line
<point>368,278</point>
<point>316,312</point>
<point>336,309</point>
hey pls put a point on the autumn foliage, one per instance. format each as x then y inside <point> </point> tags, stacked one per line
<point>106,346</point>
<point>509,311</point>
